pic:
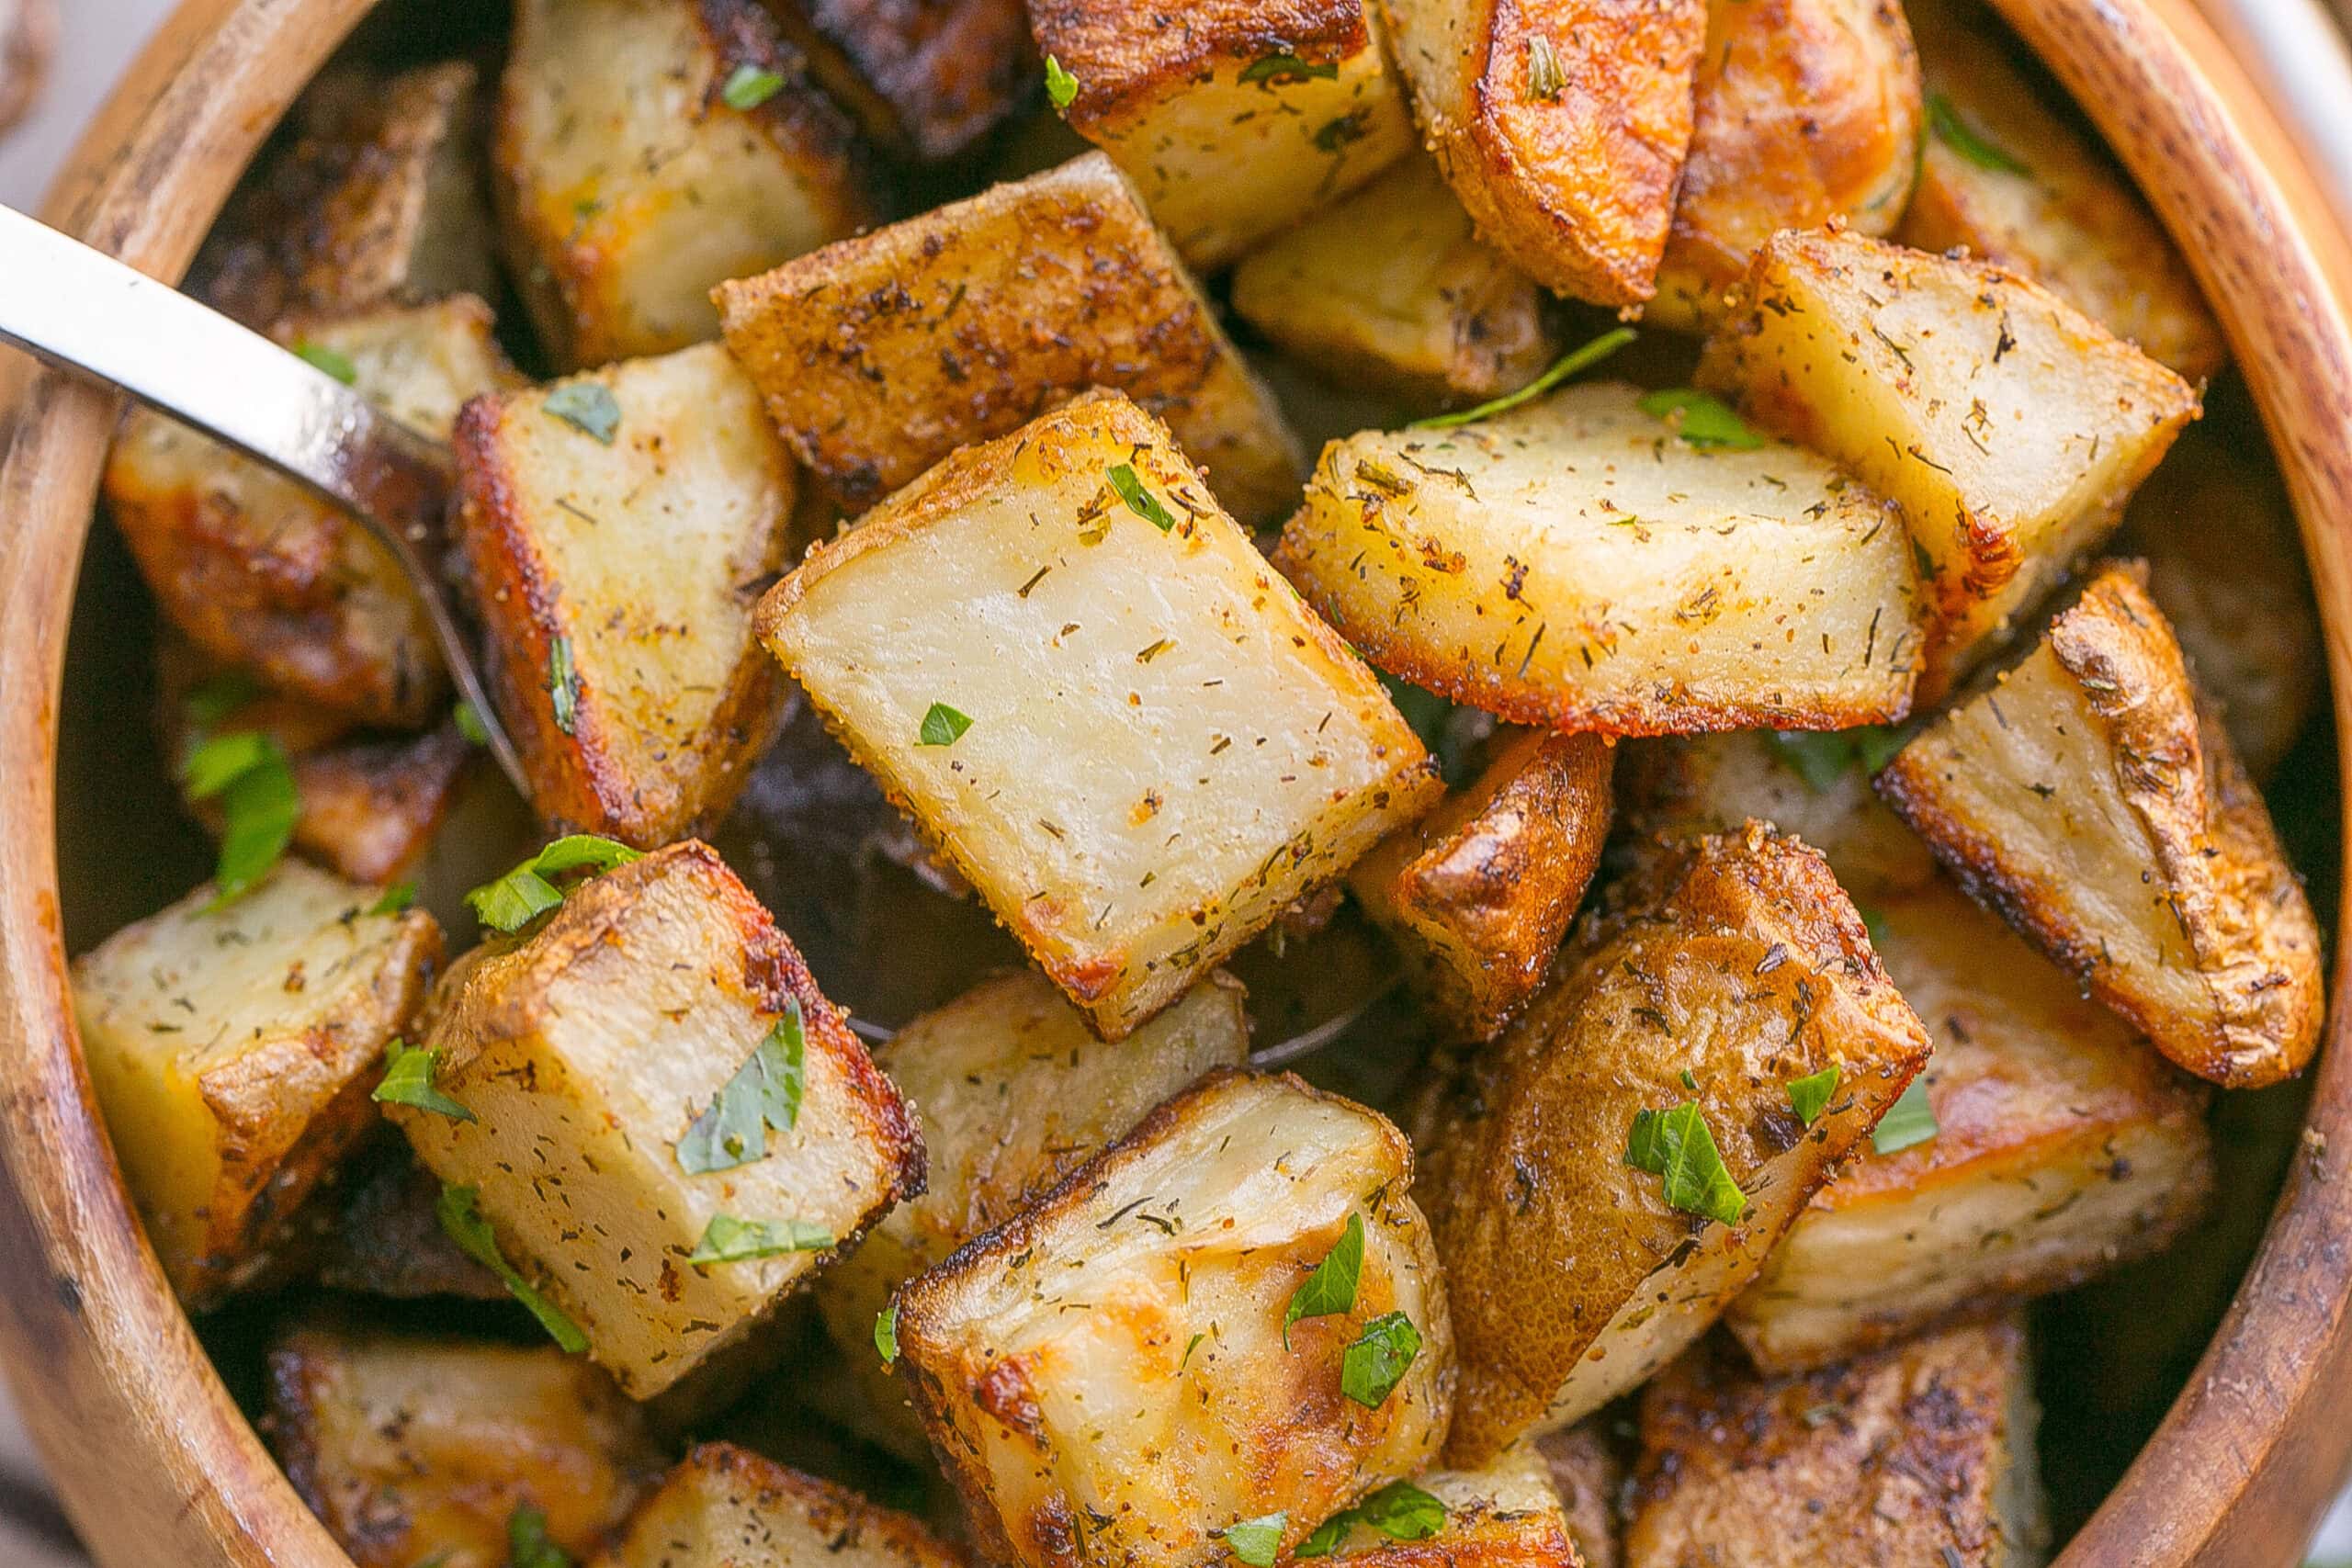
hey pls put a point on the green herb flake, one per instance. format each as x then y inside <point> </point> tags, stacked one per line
<point>217,762</point>
<point>215,699</point>
<point>764,1092</point>
<point>589,406</point>
<point>1677,1147</point>
<point>1257,1541</point>
<point>1574,362</point>
<point>327,361</point>
<point>582,852</point>
<point>1873,923</point>
<point>1954,132</point>
<point>408,1080</point>
<point>1809,1096</point>
<point>942,726</point>
<point>1282,69</point>
<point>1345,131</point>
<point>1332,1288</point>
<point>1061,87</point>
<point>1400,1510</point>
<point>1140,499</point>
<point>260,804</point>
<point>1910,1119</point>
<point>396,899</point>
<point>1546,79</point>
<point>886,1334</point>
<point>1875,745</point>
<point>527,1545</point>
<point>1700,419</point>
<point>1819,757</point>
<point>1371,1369</point>
<point>469,723</point>
<point>459,1212</point>
<point>524,894</point>
<point>563,683</point>
<point>750,86</point>
<point>730,1240</point>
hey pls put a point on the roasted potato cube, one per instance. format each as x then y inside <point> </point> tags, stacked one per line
<point>1561,124</point>
<point>610,1059</point>
<point>2064,1148</point>
<point>1118,1376</point>
<point>1735,965</point>
<point>1588,1474</point>
<point>1573,564</point>
<point>2011,427</point>
<point>413,1448</point>
<point>2084,798</point>
<point>1231,121</point>
<point>929,78</point>
<point>1504,1515</point>
<point>619,527</point>
<point>259,573</point>
<point>629,181</point>
<point>1480,892</point>
<point>1101,702</point>
<point>880,355</point>
<point>1390,287</point>
<point>725,1507</point>
<point>1920,1454</point>
<point>232,1050</point>
<point>2006,174</point>
<point>1806,110</point>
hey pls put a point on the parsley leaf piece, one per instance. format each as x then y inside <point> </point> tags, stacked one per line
<point>1809,1096</point>
<point>1371,1369</point>
<point>750,86</point>
<point>563,683</point>
<point>1332,1288</point>
<point>942,726</point>
<point>469,723</point>
<point>459,1212</point>
<point>1061,87</point>
<point>1910,1119</point>
<point>1874,923</point>
<point>575,851</point>
<point>764,1092</point>
<point>524,894</point>
<point>1574,362</point>
<point>1257,1541</point>
<point>1326,1536</point>
<point>396,899</point>
<point>1677,1147</point>
<point>886,1334</point>
<point>527,1545</point>
<point>1278,69</point>
<point>330,361</point>
<point>1704,419</point>
<point>216,698</point>
<point>1140,499</point>
<point>217,760</point>
<point>730,1240</point>
<point>1402,1511</point>
<point>1954,133</point>
<point>1819,757</point>
<point>259,804</point>
<point>589,406</point>
<point>1876,744</point>
<point>408,1080</point>
<point>1546,79</point>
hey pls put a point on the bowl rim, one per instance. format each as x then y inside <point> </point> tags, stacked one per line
<point>106,1366</point>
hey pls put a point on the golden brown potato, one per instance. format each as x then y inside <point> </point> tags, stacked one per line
<point>2063,1147</point>
<point>1561,124</point>
<point>648,150</point>
<point>1590,1476</point>
<point>1920,1454</point>
<point>1806,110</point>
<point>232,1051</point>
<point>880,355</point>
<point>1574,564</point>
<point>2010,428</point>
<point>928,79</point>
<point>417,1449</point>
<point>727,1507</point>
<point>1723,971</point>
<point>1116,1378</point>
<point>2084,798</point>
<point>1480,892</point>
<point>1232,117</point>
<point>620,525</point>
<point>1127,733</point>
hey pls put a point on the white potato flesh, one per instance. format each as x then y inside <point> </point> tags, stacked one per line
<point>727,1507</point>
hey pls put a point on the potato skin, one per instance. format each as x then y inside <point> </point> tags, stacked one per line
<point>727,1505</point>
<point>924,78</point>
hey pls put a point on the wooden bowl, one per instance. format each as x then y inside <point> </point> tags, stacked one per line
<point>155,1463</point>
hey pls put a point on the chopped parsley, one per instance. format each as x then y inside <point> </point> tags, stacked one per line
<point>1809,1096</point>
<point>1400,1510</point>
<point>750,86</point>
<point>408,1080</point>
<point>1910,1119</point>
<point>1546,79</point>
<point>217,697</point>
<point>469,723</point>
<point>1061,87</point>
<point>1140,499</point>
<point>1371,1369</point>
<point>329,361</point>
<point>1954,133</point>
<point>942,726</point>
<point>1676,1146</point>
<point>1257,1541</point>
<point>1280,69</point>
<point>1822,757</point>
<point>527,1545</point>
<point>459,1212</point>
<point>764,1092</point>
<point>1700,419</point>
<point>563,683</point>
<point>1332,1288</point>
<point>260,804</point>
<point>589,406</point>
<point>1875,923</point>
<point>886,1334</point>
<point>528,891</point>
<point>1573,361</point>
<point>394,900</point>
<point>730,1240</point>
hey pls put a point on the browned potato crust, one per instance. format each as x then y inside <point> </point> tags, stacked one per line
<point>727,1507</point>
<point>1589,1475</point>
<point>381,1235</point>
<point>924,77</point>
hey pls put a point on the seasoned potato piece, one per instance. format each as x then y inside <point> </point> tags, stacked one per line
<point>413,1448</point>
<point>259,573</point>
<point>1389,287</point>
<point>1561,124</point>
<point>1504,1515</point>
<point>1573,564</point>
<point>1233,119</point>
<point>1480,892</point>
<point>1129,734</point>
<point>1807,110</point>
<point>383,1237</point>
<point>929,78</point>
<point>2006,174</point>
<point>1590,1476</point>
<point>2084,798</point>
<point>1734,964</point>
<point>727,1507</point>
<point>1121,1374</point>
<point>880,355</point>
<point>2011,427</point>
<point>2065,1146</point>
<point>1921,1454</point>
<point>621,1065</point>
<point>232,1051</point>
<point>630,180</point>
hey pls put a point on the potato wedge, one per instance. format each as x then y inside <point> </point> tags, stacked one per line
<point>1920,1454</point>
<point>1561,124</point>
<point>1573,564</point>
<point>629,181</point>
<point>1807,111</point>
<point>1588,1474</point>
<point>2084,798</point>
<point>595,1054</point>
<point>1735,964</point>
<point>929,80</point>
<point>880,355</point>
<point>1165,748</point>
<point>2065,1146</point>
<point>2011,427</point>
<point>232,1051</point>
<point>1184,1403</point>
<point>1504,1515</point>
<point>725,1507</point>
<point>1480,892</point>
<point>1234,120</point>
<point>1390,287</point>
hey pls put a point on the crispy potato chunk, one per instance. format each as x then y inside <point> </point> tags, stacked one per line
<point>616,575</point>
<point>1180,1403</point>
<point>1480,892</point>
<point>1235,119</point>
<point>260,574</point>
<point>1504,1515</point>
<point>2011,427</point>
<point>413,1449</point>
<point>1920,1454</point>
<point>1734,964</point>
<point>2084,798</point>
<point>1807,110</point>
<point>1165,748</point>
<point>2065,1146</point>
<point>2006,174</point>
<point>630,182</point>
<point>928,78</point>
<point>589,1050</point>
<point>1590,1476</point>
<point>232,1051</point>
<point>725,1507</point>
<point>1572,564</point>
<point>880,355</point>
<point>1561,124</point>
<point>1390,287</point>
